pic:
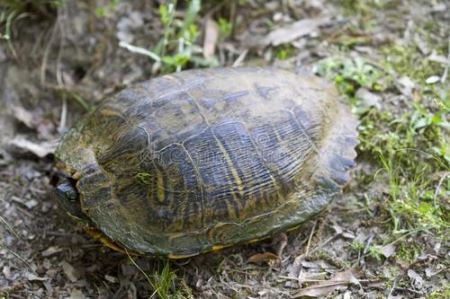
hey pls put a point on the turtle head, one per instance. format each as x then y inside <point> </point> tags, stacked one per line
<point>68,196</point>
<point>66,190</point>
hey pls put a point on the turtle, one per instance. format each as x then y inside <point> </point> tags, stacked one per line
<point>200,160</point>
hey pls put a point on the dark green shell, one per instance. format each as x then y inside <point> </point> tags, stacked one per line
<point>189,162</point>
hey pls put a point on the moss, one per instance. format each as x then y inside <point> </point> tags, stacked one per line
<point>408,61</point>
<point>441,294</point>
<point>409,251</point>
<point>284,52</point>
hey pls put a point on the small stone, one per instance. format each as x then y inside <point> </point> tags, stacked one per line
<point>7,272</point>
<point>30,204</point>
<point>368,99</point>
<point>433,79</point>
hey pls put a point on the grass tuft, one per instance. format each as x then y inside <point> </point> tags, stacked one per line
<point>177,48</point>
<point>162,282</point>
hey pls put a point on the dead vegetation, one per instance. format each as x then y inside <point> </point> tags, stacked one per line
<point>386,237</point>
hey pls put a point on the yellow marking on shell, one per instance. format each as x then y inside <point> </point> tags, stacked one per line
<point>76,175</point>
<point>178,257</point>
<point>216,248</point>
<point>253,241</point>
<point>108,112</point>
<point>99,236</point>
<point>236,178</point>
<point>293,228</point>
<point>159,186</point>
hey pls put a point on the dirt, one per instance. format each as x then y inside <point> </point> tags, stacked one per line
<point>60,55</point>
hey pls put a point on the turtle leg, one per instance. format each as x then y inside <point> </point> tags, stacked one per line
<point>281,242</point>
<point>97,235</point>
<point>272,257</point>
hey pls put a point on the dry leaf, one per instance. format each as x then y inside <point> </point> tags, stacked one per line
<point>416,279</point>
<point>24,116</point>
<point>265,257</point>
<point>70,271</point>
<point>211,37</point>
<point>339,281</point>
<point>51,251</point>
<point>438,58</point>
<point>76,294</point>
<point>387,250</point>
<point>405,86</point>
<point>22,145</point>
<point>34,277</point>
<point>293,31</point>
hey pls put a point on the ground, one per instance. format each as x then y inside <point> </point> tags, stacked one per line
<point>386,236</point>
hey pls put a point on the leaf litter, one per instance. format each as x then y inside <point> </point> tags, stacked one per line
<point>343,256</point>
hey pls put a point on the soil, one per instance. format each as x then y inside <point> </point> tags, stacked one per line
<point>62,58</point>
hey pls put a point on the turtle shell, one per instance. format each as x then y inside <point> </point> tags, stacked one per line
<point>203,159</point>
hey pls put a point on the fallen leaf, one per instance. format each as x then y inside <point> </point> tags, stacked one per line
<point>30,204</point>
<point>70,271</point>
<point>211,37</point>
<point>438,58</point>
<point>304,276</point>
<point>339,281</point>
<point>338,229</point>
<point>293,31</point>
<point>387,250</point>
<point>405,86</point>
<point>22,145</point>
<point>348,235</point>
<point>265,257</point>
<point>6,272</point>
<point>421,44</point>
<point>51,251</point>
<point>111,279</point>
<point>24,116</point>
<point>416,279</point>
<point>34,277</point>
<point>368,98</point>
<point>76,294</point>
<point>429,272</point>
<point>310,265</point>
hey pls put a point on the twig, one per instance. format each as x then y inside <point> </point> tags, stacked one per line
<point>63,119</point>
<point>310,238</point>
<point>47,51</point>
<point>16,255</point>
<point>393,287</point>
<point>9,227</point>
<point>369,241</point>
<point>240,59</point>
<point>444,76</point>
<point>324,280</point>
<point>441,181</point>
<point>409,290</point>
<point>325,243</point>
